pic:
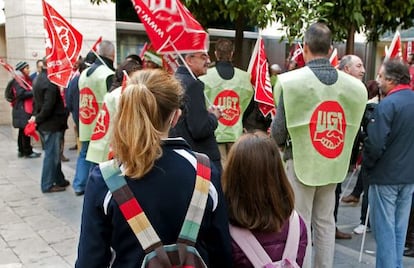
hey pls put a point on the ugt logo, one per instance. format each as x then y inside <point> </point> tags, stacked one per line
<point>88,106</point>
<point>102,124</point>
<point>327,129</point>
<point>229,102</point>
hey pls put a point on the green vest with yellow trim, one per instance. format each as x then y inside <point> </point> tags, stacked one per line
<point>92,90</point>
<point>322,121</point>
<point>99,146</point>
<point>233,96</point>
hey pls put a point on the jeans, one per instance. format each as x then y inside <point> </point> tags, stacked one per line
<point>52,169</point>
<point>389,212</point>
<point>82,169</point>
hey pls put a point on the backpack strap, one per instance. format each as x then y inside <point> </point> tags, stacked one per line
<point>250,246</point>
<point>292,242</point>
<point>136,217</point>
<point>129,205</point>
<point>195,212</point>
<point>254,250</point>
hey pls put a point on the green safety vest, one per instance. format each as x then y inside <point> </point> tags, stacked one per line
<point>233,96</point>
<point>322,121</point>
<point>99,145</point>
<point>92,90</point>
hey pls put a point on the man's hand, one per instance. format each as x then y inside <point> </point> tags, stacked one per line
<point>215,110</point>
<point>32,119</point>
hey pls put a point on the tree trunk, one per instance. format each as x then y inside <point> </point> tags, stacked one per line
<point>350,40</point>
<point>238,41</point>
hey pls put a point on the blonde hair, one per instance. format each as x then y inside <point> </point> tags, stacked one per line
<point>257,191</point>
<point>144,114</point>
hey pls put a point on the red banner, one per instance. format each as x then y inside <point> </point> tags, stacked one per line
<point>408,49</point>
<point>63,45</point>
<point>395,49</point>
<point>260,79</point>
<point>95,46</point>
<point>296,54</point>
<point>334,58</point>
<point>171,27</point>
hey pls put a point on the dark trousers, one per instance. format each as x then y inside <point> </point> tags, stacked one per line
<point>409,241</point>
<point>23,143</point>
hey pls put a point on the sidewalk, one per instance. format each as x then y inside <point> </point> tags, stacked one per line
<point>41,230</point>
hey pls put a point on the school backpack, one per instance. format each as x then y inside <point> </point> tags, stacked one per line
<point>258,256</point>
<point>9,92</point>
<point>181,254</point>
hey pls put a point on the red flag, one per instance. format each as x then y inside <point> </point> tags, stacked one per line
<point>260,78</point>
<point>395,49</point>
<point>63,45</point>
<point>408,49</point>
<point>171,27</point>
<point>95,46</point>
<point>11,70</point>
<point>296,54</point>
<point>334,58</point>
<point>169,63</point>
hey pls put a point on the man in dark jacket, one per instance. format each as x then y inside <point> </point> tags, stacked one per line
<point>197,124</point>
<point>388,157</point>
<point>50,116</point>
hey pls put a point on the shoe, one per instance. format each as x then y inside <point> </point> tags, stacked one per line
<point>54,189</point>
<point>360,229</point>
<point>64,184</point>
<point>33,155</point>
<point>342,235</point>
<point>74,147</point>
<point>409,252</point>
<point>64,158</point>
<point>350,199</point>
<point>79,193</point>
<point>20,155</point>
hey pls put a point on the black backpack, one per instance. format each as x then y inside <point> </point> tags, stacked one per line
<point>10,92</point>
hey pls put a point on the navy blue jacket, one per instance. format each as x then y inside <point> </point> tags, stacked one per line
<point>164,194</point>
<point>389,148</point>
<point>196,124</point>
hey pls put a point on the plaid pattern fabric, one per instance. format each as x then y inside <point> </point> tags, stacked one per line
<point>136,217</point>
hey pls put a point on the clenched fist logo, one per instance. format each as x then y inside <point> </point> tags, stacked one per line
<point>327,129</point>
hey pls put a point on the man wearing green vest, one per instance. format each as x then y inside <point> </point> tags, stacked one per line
<point>94,82</point>
<point>229,88</point>
<point>318,115</point>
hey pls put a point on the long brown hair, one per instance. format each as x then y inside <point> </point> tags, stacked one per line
<point>144,115</point>
<point>256,188</point>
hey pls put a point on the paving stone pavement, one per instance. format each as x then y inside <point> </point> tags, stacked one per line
<point>42,230</point>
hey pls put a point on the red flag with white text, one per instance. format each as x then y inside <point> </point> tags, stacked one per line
<point>63,45</point>
<point>169,63</point>
<point>334,58</point>
<point>171,27</point>
<point>95,46</point>
<point>260,79</point>
<point>408,49</point>
<point>395,49</point>
<point>296,54</point>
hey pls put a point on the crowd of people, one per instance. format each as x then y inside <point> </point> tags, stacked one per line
<point>151,123</point>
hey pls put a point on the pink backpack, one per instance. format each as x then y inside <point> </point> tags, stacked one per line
<point>258,256</point>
